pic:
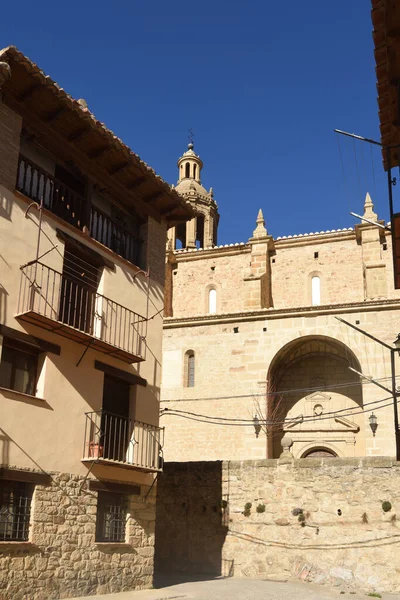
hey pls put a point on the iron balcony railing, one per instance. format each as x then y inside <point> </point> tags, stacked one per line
<point>114,235</point>
<point>39,185</point>
<point>80,308</point>
<point>115,439</point>
<point>36,183</point>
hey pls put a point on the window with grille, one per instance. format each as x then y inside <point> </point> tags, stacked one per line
<point>111,517</point>
<point>15,510</point>
<point>18,367</point>
<point>190,369</point>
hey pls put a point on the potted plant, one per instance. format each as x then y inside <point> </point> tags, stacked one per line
<point>95,450</point>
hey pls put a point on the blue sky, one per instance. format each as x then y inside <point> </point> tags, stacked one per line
<point>262,84</point>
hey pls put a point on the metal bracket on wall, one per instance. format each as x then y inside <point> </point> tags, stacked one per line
<point>151,487</point>
<point>84,352</point>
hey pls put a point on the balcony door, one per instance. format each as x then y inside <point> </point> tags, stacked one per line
<point>115,423</point>
<point>79,282</point>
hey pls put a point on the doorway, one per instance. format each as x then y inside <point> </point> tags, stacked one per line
<point>115,422</point>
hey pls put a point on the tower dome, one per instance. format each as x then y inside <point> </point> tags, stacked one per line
<point>201,231</point>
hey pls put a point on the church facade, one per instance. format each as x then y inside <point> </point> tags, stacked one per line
<point>263,340</point>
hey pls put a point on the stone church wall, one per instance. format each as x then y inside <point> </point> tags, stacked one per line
<point>339,266</point>
<point>231,370</point>
<point>347,539</point>
<point>62,558</point>
<point>193,278</point>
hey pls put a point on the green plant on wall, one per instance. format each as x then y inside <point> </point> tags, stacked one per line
<point>386,506</point>
<point>301,517</point>
<point>260,508</point>
<point>247,509</point>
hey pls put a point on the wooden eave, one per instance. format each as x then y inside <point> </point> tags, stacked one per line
<point>386,35</point>
<point>72,133</point>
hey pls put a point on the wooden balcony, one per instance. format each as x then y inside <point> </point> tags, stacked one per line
<point>114,440</point>
<point>115,235</point>
<point>39,185</point>
<point>36,183</point>
<point>77,311</point>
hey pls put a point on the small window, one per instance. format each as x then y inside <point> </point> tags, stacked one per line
<point>315,254</point>
<point>18,367</point>
<point>187,170</point>
<point>15,510</point>
<point>190,370</point>
<point>315,291</point>
<point>111,517</point>
<point>212,301</point>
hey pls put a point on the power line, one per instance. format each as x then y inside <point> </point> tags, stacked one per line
<point>306,417</point>
<point>266,422</point>
<point>279,393</point>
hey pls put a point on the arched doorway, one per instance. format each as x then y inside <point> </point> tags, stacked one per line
<point>319,453</point>
<point>312,396</point>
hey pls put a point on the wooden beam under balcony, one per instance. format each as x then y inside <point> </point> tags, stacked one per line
<point>58,141</point>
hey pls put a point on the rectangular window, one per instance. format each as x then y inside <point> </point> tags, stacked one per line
<point>18,367</point>
<point>15,510</point>
<point>111,517</point>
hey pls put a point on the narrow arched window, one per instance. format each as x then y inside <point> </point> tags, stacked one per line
<point>212,301</point>
<point>190,370</point>
<point>187,170</point>
<point>194,171</point>
<point>315,291</point>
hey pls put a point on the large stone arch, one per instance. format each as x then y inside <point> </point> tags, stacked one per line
<point>310,391</point>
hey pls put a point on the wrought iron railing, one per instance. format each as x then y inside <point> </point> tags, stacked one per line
<point>114,235</point>
<point>39,185</point>
<point>117,439</point>
<point>67,300</point>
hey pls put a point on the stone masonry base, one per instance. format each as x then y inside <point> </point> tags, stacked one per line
<point>319,520</point>
<point>62,559</point>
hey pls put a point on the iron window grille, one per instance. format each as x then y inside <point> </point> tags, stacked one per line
<point>15,510</point>
<point>111,518</point>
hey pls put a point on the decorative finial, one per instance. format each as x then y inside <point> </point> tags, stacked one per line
<point>190,136</point>
<point>260,231</point>
<point>369,209</point>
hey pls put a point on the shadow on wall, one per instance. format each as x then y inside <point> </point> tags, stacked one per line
<point>191,524</point>
<point>3,304</point>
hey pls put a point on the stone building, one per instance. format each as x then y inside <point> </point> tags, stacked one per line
<point>83,222</point>
<point>253,330</point>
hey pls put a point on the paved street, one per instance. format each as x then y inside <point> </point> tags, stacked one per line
<point>243,589</point>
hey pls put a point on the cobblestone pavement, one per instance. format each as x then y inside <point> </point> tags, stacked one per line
<point>241,589</point>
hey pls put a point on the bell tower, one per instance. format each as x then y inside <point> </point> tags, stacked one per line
<point>201,231</point>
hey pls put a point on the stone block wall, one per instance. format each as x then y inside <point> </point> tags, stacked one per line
<point>62,558</point>
<point>347,539</point>
<point>189,531</point>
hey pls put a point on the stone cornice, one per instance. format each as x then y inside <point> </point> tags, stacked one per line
<point>281,313</point>
<point>216,252</point>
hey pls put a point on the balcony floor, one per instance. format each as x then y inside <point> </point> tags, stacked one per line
<point>115,463</point>
<point>81,337</point>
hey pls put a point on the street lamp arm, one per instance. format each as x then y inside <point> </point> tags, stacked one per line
<point>371,379</point>
<point>372,337</point>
